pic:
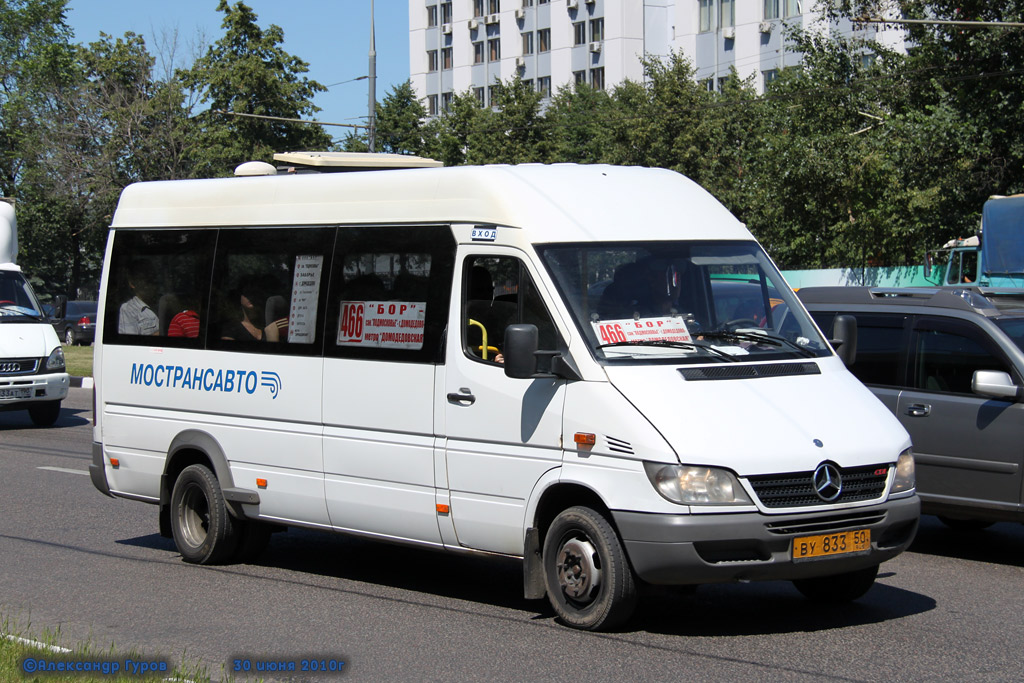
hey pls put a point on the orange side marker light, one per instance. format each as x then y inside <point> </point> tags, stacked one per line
<point>261,483</point>
<point>115,463</point>
<point>584,439</point>
<point>443,509</point>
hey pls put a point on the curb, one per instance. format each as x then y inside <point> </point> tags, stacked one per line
<point>84,382</point>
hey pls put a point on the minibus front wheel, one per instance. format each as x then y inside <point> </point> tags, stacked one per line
<point>203,530</point>
<point>588,578</point>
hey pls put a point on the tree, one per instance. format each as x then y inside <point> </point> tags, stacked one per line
<point>247,72</point>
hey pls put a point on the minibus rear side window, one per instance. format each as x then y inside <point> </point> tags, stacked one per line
<point>157,289</point>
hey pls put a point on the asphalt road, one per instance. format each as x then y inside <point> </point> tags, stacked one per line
<point>96,569</point>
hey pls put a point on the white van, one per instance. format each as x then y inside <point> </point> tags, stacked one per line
<point>594,368</point>
<point>32,370</point>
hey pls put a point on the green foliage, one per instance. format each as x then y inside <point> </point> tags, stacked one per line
<point>247,72</point>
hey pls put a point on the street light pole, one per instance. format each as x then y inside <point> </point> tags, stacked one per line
<point>372,123</point>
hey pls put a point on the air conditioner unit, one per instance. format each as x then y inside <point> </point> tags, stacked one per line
<point>572,4</point>
<point>493,18</point>
<point>446,28</point>
<point>520,62</point>
<point>473,24</point>
<point>765,27</point>
<point>590,2</point>
<point>595,46</point>
<point>729,33</point>
<point>520,13</point>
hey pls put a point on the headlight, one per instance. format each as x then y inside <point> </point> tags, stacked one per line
<point>696,485</point>
<point>904,479</point>
<point>55,362</point>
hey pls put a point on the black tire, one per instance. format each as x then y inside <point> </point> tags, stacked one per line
<point>204,531</point>
<point>965,524</point>
<point>44,413</point>
<point>252,540</point>
<point>69,336</point>
<point>838,588</point>
<point>588,578</point>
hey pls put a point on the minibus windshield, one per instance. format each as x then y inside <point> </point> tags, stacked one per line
<point>681,302</point>
<point>17,301</point>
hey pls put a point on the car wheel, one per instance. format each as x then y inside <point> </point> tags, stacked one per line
<point>45,413</point>
<point>965,524</point>
<point>838,587</point>
<point>69,336</point>
<point>588,578</point>
<point>203,530</point>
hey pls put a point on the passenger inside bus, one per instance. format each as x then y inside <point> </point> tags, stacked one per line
<point>247,325</point>
<point>135,315</point>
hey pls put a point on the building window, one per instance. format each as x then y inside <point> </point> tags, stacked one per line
<point>771,9</point>
<point>494,49</point>
<point>708,84</point>
<point>544,86</point>
<point>431,60</point>
<point>446,58</point>
<point>597,78</point>
<point>544,39</point>
<point>527,3</point>
<point>495,6</point>
<point>579,33</point>
<point>492,94</point>
<point>478,8</point>
<point>706,18</point>
<point>446,12</point>
<point>769,76</point>
<point>478,52</point>
<point>793,8</point>
<point>528,43</point>
<point>446,101</point>
<point>478,93</point>
<point>432,105</point>
<point>720,84</point>
<point>579,77</point>
<point>727,12</point>
<point>528,84</point>
<point>431,16</point>
<point>596,30</point>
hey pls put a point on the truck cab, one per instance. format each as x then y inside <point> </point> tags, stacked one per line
<point>33,376</point>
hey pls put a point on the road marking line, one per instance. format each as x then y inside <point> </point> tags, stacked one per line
<point>64,469</point>
<point>37,644</point>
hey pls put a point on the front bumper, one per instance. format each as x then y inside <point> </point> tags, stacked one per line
<point>749,546</point>
<point>19,390</point>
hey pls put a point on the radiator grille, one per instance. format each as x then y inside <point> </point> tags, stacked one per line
<point>18,366</point>
<point>797,489</point>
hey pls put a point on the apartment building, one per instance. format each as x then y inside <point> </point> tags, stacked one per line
<point>468,45</point>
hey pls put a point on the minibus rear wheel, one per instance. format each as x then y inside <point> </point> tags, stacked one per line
<point>588,578</point>
<point>203,530</point>
<point>838,587</point>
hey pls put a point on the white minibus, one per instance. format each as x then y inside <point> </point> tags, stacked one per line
<point>596,369</point>
<point>33,376</point>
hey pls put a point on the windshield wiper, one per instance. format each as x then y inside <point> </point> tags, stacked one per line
<point>763,338</point>
<point>690,346</point>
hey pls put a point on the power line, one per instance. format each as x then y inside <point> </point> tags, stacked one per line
<point>281,118</point>
<point>942,22</point>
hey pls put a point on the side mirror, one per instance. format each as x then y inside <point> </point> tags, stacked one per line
<point>844,329</point>
<point>520,351</point>
<point>927,264</point>
<point>995,384</point>
<point>521,355</point>
<point>60,304</point>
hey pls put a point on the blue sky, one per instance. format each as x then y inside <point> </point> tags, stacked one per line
<point>333,36</point>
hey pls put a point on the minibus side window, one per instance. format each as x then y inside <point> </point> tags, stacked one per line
<point>499,292</point>
<point>269,290</point>
<point>390,292</point>
<point>157,288</point>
